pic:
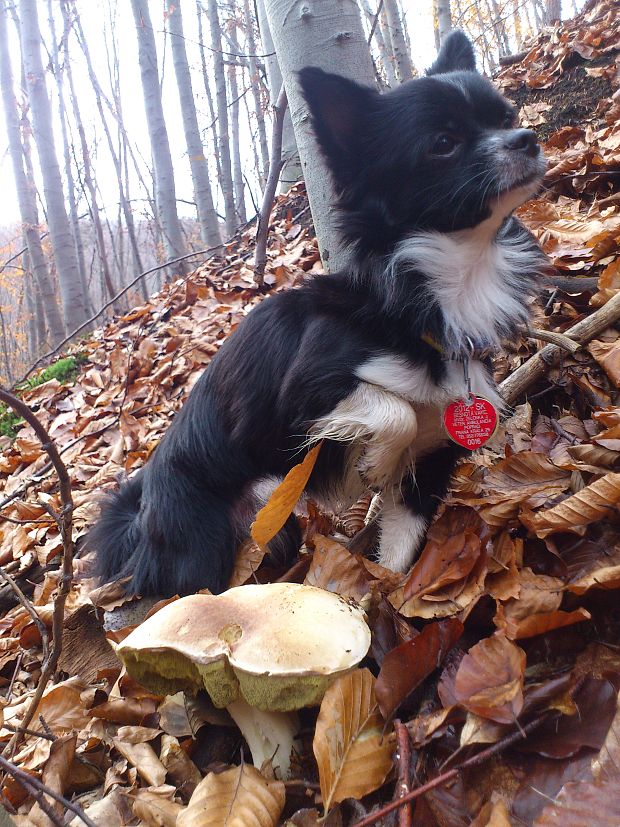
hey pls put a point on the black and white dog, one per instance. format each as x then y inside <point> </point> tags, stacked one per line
<point>427,177</point>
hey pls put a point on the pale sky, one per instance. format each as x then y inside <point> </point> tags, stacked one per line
<point>94,16</point>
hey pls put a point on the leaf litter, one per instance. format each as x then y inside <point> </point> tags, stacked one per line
<point>508,617</point>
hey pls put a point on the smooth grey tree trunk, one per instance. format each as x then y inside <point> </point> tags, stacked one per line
<point>66,150</point>
<point>328,34</point>
<point>73,299</point>
<point>26,191</point>
<point>255,83</point>
<point>291,167</point>
<point>402,58</point>
<point>235,147</point>
<point>207,88</point>
<point>207,217</point>
<point>387,60</point>
<point>165,192</point>
<point>443,13</point>
<point>221,102</point>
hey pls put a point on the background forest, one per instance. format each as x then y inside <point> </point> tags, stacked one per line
<point>135,133</point>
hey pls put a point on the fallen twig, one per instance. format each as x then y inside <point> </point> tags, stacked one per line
<point>403,757</point>
<point>558,339</point>
<point>480,758</point>
<point>65,525</point>
<point>39,787</point>
<point>275,167</point>
<point>517,383</point>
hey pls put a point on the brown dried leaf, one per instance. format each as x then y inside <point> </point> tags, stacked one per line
<point>574,514</point>
<point>142,756</point>
<point>156,809</point>
<point>607,354</point>
<point>248,558</point>
<point>275,513</point>
<point>489,681</point>
<point>353,757</point>
<point>56,777</point>
<point>335,569</point>
<point>578,801</point>
<point>406,666</point>
<point>238,797</point>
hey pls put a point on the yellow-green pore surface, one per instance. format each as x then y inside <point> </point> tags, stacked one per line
<point>279,645</point>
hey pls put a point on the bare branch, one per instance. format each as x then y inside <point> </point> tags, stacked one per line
<point>275,167</point>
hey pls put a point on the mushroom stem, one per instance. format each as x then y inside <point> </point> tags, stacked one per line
<point>269,735</point>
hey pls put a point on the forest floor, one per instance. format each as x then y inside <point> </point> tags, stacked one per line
<point>500,656</point>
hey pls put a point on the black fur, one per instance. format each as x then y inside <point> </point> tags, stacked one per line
<point>175,526</point>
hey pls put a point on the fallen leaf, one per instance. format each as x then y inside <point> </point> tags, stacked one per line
<point>489,680</point>
<point>406,666</point>
<point>280,505</point>
<point>335,569</point>
<point>238,797</point>
<point>352,755</point>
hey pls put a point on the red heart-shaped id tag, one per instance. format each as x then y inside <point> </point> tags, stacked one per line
<point>471,423</point>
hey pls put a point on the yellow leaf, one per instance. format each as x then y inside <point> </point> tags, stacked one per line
<point>238,797</point>
<point>275,513</point>
<point>353,757</point>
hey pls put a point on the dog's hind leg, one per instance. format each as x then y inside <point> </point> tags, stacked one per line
<point>409,507</point>
<point>385,424</point>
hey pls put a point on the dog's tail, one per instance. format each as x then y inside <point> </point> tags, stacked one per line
<point>167,536</point>
<point>115,535</point>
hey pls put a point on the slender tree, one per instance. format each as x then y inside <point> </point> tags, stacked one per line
<point>26,191</point>
<point>443,19</point>
<point>402,58</point>
<point>66,150</point>
<point>387,60</point>
<point>207,217</point>
<point>313,35</point>
<point>235,143</point>
<point>291,166</point>
<point>165,193</point>
<point>256,90</point>
<point>73,300</point>
<point>226,179</point>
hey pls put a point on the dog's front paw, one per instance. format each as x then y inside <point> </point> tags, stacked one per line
<point>380,468</point>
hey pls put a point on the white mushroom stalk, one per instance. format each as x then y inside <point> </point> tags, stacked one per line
<point>261,651</point>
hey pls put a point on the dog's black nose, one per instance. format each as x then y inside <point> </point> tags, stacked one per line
<point>523,140</point>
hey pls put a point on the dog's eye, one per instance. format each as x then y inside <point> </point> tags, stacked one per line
<point>444,145</point>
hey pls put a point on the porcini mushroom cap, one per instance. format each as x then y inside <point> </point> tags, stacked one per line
<point>279,645</point>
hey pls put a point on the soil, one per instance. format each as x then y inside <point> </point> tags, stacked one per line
<point>574,98</point>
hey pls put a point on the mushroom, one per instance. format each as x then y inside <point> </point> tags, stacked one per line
<point>261,651</point>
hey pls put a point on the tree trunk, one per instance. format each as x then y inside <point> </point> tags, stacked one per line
<point>26,191</point>
<point>207,217</point>
<point>404,67</point>
<point>387,60</point>
<point>443,14</point>
<point>291,167</point>
<point>226,181</point>
<point>553,12</point>
<point>237,169</point>
<point>207,88</point>
<point>73,299</point>
<point>165,193</point>
<point>256,89</point>
<point>327,34</point>
<point>62,114</point>
<point>126,207</point>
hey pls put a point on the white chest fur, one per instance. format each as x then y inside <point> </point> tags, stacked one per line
<point>474,277</point>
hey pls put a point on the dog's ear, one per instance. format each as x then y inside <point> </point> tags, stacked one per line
<point>456,55</point>
<point>339,108</point>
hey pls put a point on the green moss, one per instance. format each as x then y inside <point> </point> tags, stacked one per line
<point>64,370</point>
